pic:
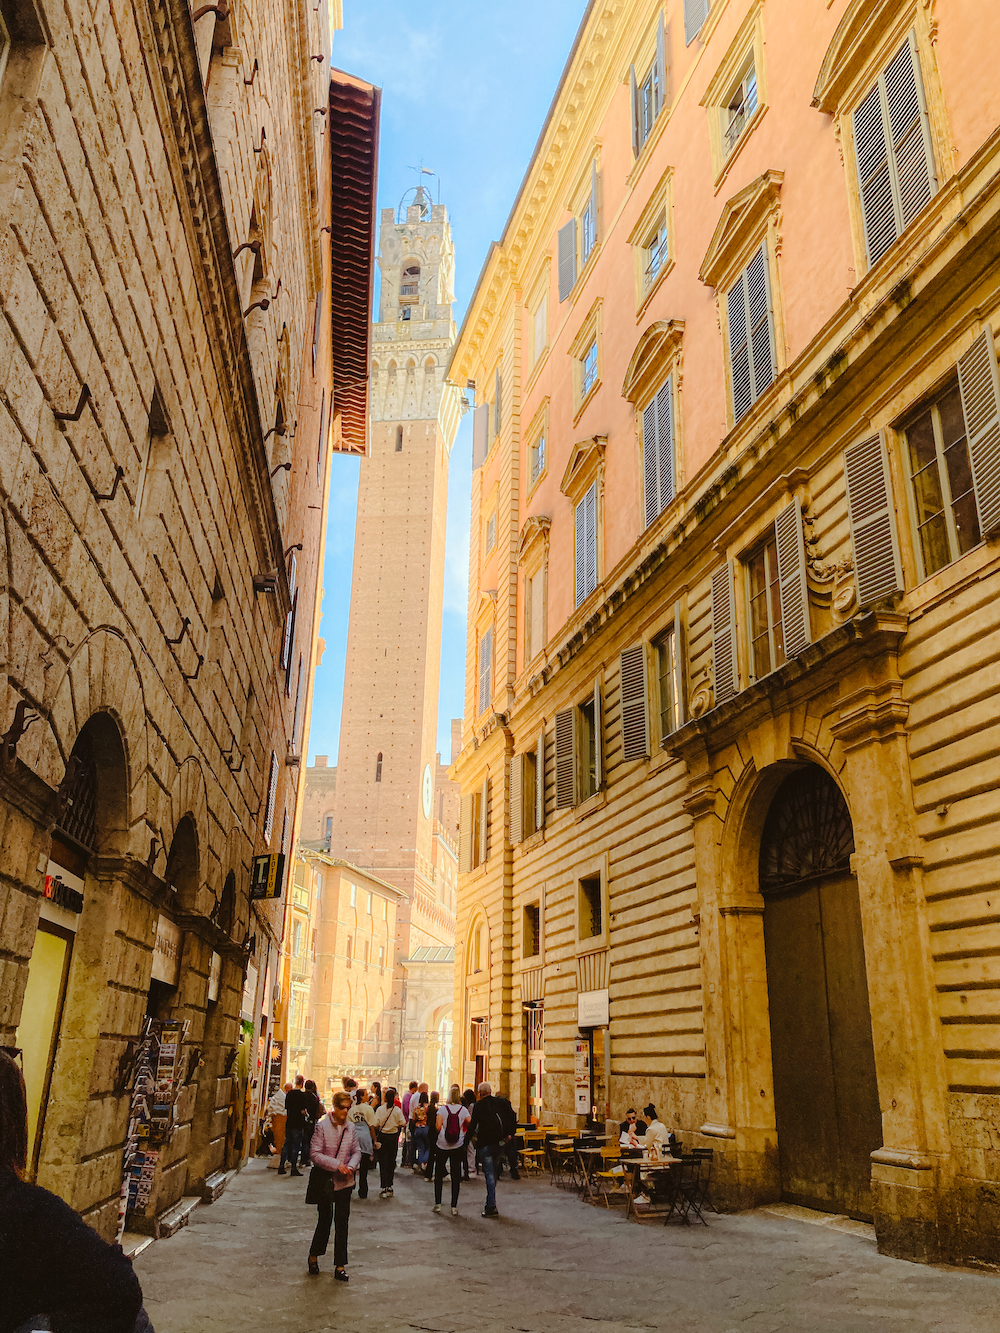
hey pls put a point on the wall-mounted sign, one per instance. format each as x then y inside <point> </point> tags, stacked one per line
<point>592,1009</point>
<point>167,951</point>
<point>268,876</point>
<point>214,976</point>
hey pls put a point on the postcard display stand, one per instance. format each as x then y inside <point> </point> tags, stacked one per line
<point>151,1118</point>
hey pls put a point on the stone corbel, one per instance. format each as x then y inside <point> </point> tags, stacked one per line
<point>874,714</point>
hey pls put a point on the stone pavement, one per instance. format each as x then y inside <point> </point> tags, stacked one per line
<point>550,1264</point>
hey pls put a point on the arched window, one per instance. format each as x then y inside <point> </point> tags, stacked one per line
<point>378,767</point>
<point>399,439</point>
<point>409,289</point>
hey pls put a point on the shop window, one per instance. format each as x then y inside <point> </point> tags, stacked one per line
<point>590,907</point>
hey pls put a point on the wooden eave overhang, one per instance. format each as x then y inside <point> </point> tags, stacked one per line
<point>354,134</point>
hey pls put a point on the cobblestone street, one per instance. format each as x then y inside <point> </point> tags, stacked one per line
<point>550,1264</point>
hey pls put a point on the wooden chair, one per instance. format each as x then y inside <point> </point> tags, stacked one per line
<point>532,1159</point>
<point>607,1182</point>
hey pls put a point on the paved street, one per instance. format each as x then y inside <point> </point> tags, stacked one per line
<point>549,1265</point>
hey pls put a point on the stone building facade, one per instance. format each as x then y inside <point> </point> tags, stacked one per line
<point>729,823</point>
<point>178,343</point>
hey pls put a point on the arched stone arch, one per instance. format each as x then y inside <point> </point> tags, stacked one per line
<point>182,869</point>
<point>189,799</point>
<point>102,677</point>
<point>478,938</point>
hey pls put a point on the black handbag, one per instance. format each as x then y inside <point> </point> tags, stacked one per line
<point>322,1183</point>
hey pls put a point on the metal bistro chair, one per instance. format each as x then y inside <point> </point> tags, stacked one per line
<point>608,1182</point>
<point>700,1197</point>
<point>689,1190</point>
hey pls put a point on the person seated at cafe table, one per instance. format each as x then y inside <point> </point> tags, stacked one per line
<point>631,1124</point>
<point>656,1130</point>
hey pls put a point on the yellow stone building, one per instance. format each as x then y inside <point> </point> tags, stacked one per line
<point>730,832</point>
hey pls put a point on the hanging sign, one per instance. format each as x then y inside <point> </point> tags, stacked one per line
<point>167,951</point>
<point>268,876</point>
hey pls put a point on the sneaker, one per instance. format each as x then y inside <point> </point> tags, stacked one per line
<point>363,1196</point>
<point>281,1170</point>
<point>454,1212</point>
<point>641,1199</point>
<point>295,1171</point>
<point>437,1208</point>
<point>383,1194</point>
<point>491,1212</point>
<point>389,1192</point>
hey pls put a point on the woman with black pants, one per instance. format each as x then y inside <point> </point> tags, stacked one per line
<point>452,1122</point>
<point>388,1122</point>
<point>336,1155</point>
<point>432,1119</point>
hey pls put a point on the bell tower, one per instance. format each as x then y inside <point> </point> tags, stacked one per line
<point>384,817</point>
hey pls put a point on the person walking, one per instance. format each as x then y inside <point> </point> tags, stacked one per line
<point>510,1148</point>
<point>376,1095</point>
<point>452,1122</point>
<point>55,1271</point>
<point>362,1117</point>
<point>488,1130</point>
<point>432,1111</point>
<point>388,1122</point>
<point>296,1104</point>
<point>336,1155</point>
<point>409,1148</point>
<point>469,1101</point>
<point>421,1132</point>
<point>315,1111</point>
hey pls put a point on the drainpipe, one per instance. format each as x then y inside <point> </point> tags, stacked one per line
<point>502,720</point>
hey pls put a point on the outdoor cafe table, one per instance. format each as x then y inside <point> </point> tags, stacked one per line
<point>587,1168</point>
<point>635,1166</point>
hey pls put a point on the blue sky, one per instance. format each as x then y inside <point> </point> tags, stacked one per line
<point>446,71</point>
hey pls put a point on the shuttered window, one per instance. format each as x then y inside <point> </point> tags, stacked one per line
<point>649,92</point>
<point>723,634</point>
<point>296,712</point>
<point>872,519</point>
<point>480,435</point>
<point>534,614</point>
<point>567,259</point>
<point>658,451</point>
<point>892,146</point>
<point>473,828</point>
<point>588,220</point>
<point>695,14</point>
<point>980,386</point>
<point>485,670</point>
<point>790,543</point>
<point>272,793</point>
<point>497,403</point>
<point>944,499</point>
<point>541,328</point>
<point>635,713</point>
<point>751,334</point>
<point>586,544</point>
<point>465,836</point>
<point>565,759</point>
<point>482,849</point>
<point>516,797</point>
<point>322,439</point>
<point>540,781</point>
<point>669,678</point>
<point>286,644</point>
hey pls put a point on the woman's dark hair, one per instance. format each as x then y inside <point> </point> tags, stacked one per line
<point>650,1110</point>
<point>13,1117</point>
<point>310,1085</point>
<point>468,1097</point>
<point>390,1097</point>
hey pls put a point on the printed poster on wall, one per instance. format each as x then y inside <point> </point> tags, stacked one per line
<point>581,1077</point>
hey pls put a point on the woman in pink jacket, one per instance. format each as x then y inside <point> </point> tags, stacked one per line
<point>335,1154</point>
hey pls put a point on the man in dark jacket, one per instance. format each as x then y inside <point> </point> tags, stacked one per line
<point>296,1105</point>
<point>509,1149</point>
<point>489,1130</point>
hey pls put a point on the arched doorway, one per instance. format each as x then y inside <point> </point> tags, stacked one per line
<point>825,1088</point>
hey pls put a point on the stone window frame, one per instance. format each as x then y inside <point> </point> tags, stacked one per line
<point>746,48</point>
<point>659,205</point>
<point>538,428</point>
<point>533,559</point>
<point>594,865</point>
<point>539,291</point>
<point>588,335</point>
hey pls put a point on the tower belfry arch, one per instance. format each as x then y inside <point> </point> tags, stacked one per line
<point>384,817</point>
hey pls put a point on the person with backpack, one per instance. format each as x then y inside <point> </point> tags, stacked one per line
<point>452,1122</point>
<point>362,1117</point>
<point>388,1122</point>
<point>487,1127</point>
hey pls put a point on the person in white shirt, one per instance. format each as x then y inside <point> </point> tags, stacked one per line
<point>656,1130</point>
<point>388,1122</point>
<point>452,1122</point>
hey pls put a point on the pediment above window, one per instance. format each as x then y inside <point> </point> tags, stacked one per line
<point>652,359</point>
<point>849,54</point>
<point>585,463</point>
<point>535,533</point>
<point>486,610</point>
<point>739,229</point>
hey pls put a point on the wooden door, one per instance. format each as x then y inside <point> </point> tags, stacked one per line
<point>825,1088</point>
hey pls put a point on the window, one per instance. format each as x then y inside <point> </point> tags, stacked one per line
<point>399,439</point>
<point>491,533</point>
<point>658,451</point>
<point>478,830</point>
<point>588,229</point>
<point>656,253</point>
<point>369,904</point>
<point>586,544</point>
<point>343,1032</point>
<point>695,14</point>
<point>350,950</point>
<point>892,147</point>
<point>381,958</point>
<point>385,909</point>
<point>531,935</point>
<point>534,614</point>
<point>473,828</point>
<point>540,328</point>
<point>378,767</point>
<point>767,647</point>
<point>579,750</point>
<point>272,794</point>
<point>297,939</point>
<point>529,793</point>
<point>587,767</point>
<point>649,92</point>
<point>536,458</point>
<point>588,369</point>
<point>328,829</point>
<point>478,951</point>
<point>406,312</point>
<point>944,500</point>
<point>668,683</point>
<point>354,895</point>
<point>751,334</point>
<point>578,238</point>
<point>590,914</point>
<point>485,670</point>
<point>741,105</point>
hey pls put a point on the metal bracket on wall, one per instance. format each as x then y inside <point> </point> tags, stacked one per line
<point>184,629</point>
<point>195,673</point>
<point>77,413</point>
<point>119,474</point>
<point>8,743</point>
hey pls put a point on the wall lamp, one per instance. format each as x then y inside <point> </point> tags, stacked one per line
<point>252,246</point>
<point>276,430</point>
<point>282,467</point>
<point>257,305</point>
<point>297,547</point>
<point>220,12</point>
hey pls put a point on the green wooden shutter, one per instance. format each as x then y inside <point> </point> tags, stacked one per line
<point>634,694</point>
<point>565,758</point>
<point>980,386</point>
<point>567,259</point>
<point>723,634</point>
<point>873,521</point>
<point>792,583</point>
